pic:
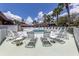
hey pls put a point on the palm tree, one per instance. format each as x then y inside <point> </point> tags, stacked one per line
<point>66,5</point>
<point>48,18</point>
<point>45,18</point>
<point>56,12</point>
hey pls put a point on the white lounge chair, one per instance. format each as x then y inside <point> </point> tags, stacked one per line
<point>11,35</point>
<point>56,40</point>
<point>44,39</point>
<point>62,34</point>
<point>32,43</point>
<point>45,42</point>
<point>30,34</point>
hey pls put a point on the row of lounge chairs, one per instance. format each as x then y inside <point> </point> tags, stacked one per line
<point>45,42</point>
<point>61,34</point>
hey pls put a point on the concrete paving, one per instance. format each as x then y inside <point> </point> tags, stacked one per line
<point>67,49</point>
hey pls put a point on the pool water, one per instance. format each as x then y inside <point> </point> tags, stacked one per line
<point>38,30</point>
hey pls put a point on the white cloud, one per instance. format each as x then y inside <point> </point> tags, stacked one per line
<point>65,13</point>
<point>41,21</point>
<point>40,14</point>
<point>50,13</point>
<point>29,20</point>
<point>36,19</point>
<point>74,9</point>
<point>74,5</point>
<point>39,17</point>
<point>11,16</point>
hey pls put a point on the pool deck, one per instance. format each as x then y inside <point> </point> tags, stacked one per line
<point>67,49</point>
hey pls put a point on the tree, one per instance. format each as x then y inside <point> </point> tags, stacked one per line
<point>16,22</point>
<point>45,18</point>
<point>66,5</point>
<point>62,21</point>
<point>35,22</point>
<point>48,18</point>
<point>56,13</point>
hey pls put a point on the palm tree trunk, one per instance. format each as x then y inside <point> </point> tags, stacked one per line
<point>57,19</point>
<point>67,8</point>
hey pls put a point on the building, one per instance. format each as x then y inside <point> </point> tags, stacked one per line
<point>4,20</point>
<point>23,24</point>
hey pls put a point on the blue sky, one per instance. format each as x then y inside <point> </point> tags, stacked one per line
<point>27,9</point>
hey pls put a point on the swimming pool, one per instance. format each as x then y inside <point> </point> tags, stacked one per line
<point>39,30</point>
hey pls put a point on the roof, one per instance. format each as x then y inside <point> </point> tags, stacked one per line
<point>4,17</point>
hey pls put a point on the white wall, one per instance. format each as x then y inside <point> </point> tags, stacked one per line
<point>3,33</point>
<point>10,27</point>
<point>3,30</point>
